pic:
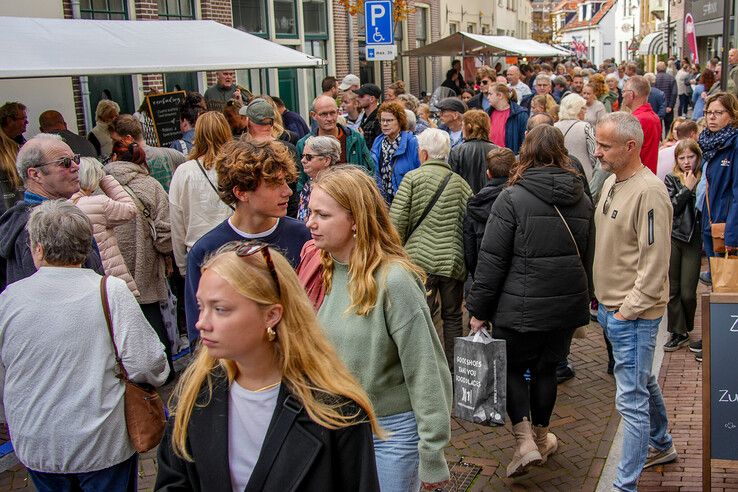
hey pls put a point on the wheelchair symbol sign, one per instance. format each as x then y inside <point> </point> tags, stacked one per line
<point>380,26</point>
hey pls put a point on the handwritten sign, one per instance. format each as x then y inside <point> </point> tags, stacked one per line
<point>164,109</point>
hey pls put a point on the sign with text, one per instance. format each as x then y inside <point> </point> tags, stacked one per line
<point>381,52</point>
<point>719,383</point>
<point>380,25</point>
<point>164,109</point>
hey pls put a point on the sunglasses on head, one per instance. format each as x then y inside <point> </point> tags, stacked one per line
<point>65,162</point>
<point>250,248</point>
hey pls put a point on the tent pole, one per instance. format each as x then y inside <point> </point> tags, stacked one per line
<point>463,52</point>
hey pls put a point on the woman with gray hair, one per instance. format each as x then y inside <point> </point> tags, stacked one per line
<point>107,205</point>
<point>99,137</point>
<point>74,396</point>
<point>579,136</point>
<point>319,153</point>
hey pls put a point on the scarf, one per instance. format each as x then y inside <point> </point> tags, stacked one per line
<point>710,143</point>
<point>302,209</point>
<point>385,166</point>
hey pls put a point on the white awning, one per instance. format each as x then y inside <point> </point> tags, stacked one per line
<point>468,44</point>
<point>652,44</point>
<point>68,47</point>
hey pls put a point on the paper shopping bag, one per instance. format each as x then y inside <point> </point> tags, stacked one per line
<point>480,379</point>
<point>724,272</point>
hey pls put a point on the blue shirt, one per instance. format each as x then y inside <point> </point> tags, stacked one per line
<point>288,237</point>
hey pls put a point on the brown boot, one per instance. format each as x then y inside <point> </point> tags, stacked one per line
<point>546,442</point>
<point>526,451</point>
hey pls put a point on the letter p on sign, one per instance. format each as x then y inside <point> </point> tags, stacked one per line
<point>377,12</point>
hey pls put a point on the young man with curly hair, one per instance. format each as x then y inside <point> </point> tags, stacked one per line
<point>254,178</point>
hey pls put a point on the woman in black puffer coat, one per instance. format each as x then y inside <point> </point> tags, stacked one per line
<point>532,283</point>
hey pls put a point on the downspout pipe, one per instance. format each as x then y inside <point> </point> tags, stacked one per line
<point>350,41</point>
<point>84,86</point>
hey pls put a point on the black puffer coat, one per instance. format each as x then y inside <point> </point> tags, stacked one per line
<point>529,277</point>
<point>475,221</point>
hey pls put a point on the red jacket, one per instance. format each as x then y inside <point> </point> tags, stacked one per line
<point>651,125</point>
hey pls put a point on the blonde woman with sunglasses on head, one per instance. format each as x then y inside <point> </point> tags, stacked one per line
<point>267,404</point>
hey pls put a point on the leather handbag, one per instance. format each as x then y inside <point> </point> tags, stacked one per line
<point>144,409</point>
<point>717,230</point>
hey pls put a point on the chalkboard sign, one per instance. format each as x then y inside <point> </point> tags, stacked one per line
<point>719,383</point>
<point>164,109</point>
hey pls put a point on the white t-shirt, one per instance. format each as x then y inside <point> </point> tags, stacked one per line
<point>258,235</point>
<point>249,414</point>
<point>521,89</point>
<point>665,162</point>
<point>456,138</point>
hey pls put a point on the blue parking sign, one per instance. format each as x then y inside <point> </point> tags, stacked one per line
<point>380,25</point>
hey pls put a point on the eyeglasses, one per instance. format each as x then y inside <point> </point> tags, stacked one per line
<point>250,248</point>
<point>387,122</point>
<point>608,200</point>
<point>716,113</point>
<point>65,162</point>
<point>310,157</point>
<point>327,114</point>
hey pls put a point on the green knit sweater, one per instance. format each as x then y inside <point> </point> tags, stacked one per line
<point>437,245</point>
<point>395,354</point>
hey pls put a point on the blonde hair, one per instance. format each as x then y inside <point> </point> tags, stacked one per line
<point>310,367</point>
<point>8,153</point>
<point>377,240</point>
<point>106,111</point>
<point>211,133</point>
<point>90,173</point>
<point>682,147</point>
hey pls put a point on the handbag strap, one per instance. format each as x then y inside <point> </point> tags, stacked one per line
<point>109,321</point>
<point>273,442</point>
<point>568,229</point>
<point>431,203</point>
<point>707,199</point>
<point>144,211</point>
<point>207,178</point>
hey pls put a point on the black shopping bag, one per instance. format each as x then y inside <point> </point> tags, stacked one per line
<point>480,379</point>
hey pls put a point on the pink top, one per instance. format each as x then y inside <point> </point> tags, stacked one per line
<point>497,126</point>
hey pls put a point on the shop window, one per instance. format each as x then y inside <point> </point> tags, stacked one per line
<point>250,16</point>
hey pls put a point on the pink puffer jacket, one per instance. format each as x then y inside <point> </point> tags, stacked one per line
<point>106,211</point>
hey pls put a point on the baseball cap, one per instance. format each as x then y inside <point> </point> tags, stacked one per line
<point>348,81</point>
<point>258,111</point>
<point>369,90</point>
<point>451,104</point>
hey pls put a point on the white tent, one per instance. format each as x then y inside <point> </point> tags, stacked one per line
<point>468,44</point>
<point>74,47</point>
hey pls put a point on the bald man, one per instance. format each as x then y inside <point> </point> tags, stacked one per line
<point>50,171</point>
<point>53,122</point>
<point>353,146</point>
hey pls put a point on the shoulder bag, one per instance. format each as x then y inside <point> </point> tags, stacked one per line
<point>717,231</point>
<point>430,205</point>
<point>142,208</point>
<point>144,409</point>
<point>580,332</point>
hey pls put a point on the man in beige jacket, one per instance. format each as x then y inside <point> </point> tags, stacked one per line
<point>633,222</point>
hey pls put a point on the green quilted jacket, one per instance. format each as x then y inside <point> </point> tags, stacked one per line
<point>437,244</point>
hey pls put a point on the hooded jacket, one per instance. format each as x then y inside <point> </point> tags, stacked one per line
<point>16,261</point>
<point>477,212</point>
<point>515,126</point>
<point>144,256</point>
<point>722,189</point>
<point>530,277</point>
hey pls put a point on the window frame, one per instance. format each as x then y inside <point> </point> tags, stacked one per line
<point>279,35</point>
<point>313,36</point>
<point>108,12</point>
<point>265,6</point>
<point>178,16</point>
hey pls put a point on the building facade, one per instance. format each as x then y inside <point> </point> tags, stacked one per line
<point>592,28</point>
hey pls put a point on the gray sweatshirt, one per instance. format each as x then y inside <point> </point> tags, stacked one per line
<point>62,401</point>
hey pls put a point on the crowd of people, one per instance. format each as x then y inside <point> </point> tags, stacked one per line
<point>304,263</point>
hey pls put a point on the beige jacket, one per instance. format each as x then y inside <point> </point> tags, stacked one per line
<point>105,212</point>
<point>631,263</point>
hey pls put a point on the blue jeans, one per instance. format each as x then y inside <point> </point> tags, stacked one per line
<point>397,457</point>
<point>122,477</point>
<point>638,397</point>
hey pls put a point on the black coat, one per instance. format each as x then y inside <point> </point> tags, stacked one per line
<point>686,220</point>
<point>475,221</point>
<point>529,277</point>
<point>469,160</point>
<point>311,457</point>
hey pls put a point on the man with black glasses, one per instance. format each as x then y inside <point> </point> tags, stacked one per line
<point>50,171</point>
<point>633,225</point>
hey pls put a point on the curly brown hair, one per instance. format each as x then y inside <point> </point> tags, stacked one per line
<point>246,165</point>
<point>597,81</point>
<point>396,109</point>
<point>476,125</point>
<point>543,147</point>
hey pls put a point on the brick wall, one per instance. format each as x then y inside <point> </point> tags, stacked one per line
<point>340,41</point>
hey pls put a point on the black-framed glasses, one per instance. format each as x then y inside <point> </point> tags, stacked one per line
<point>250,248</point>
<point>65,162</point>
<point>608,200</point>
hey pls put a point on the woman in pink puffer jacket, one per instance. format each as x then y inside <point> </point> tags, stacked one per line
<point>107,205</point>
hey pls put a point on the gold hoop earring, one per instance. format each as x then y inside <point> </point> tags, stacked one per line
<point>271,334</point>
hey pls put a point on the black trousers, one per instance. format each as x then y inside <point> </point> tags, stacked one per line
<point>684,274</point>
<point>152,312</point>
<point>451,293</point>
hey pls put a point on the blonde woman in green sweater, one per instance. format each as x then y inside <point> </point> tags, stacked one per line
<point>375,313</point>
